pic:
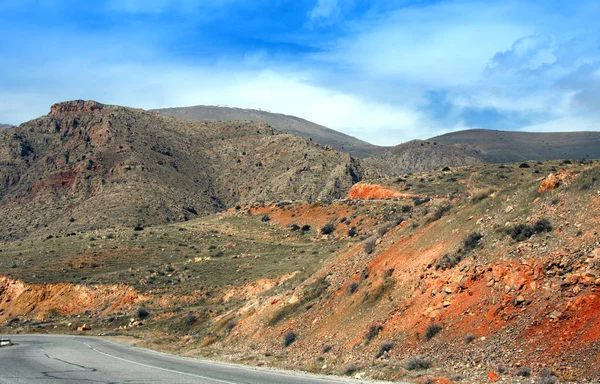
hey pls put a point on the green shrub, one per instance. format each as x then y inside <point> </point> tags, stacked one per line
<point>142,313</point>
<point>432,330</point>
<point>471,241</point>
<point>383,348</point>
<point>370,244</point>
<point>373,331</point>
<point>328,229</point>
<point>417,363</point>
<point>288,338</point>
<point>352,232</point>
<point>522,232</point>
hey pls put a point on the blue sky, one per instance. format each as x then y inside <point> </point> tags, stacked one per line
<point>383,71</point>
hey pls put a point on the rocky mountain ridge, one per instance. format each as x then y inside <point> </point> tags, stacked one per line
<point>88,165</point>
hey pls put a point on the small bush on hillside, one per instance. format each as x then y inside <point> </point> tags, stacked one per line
<point>481,195</point>
<point>191,318</point>
<point>383,348</point>
<point>547,376</point>
<point>373,331</point>
<point>326,348</point>
<point>265,218</point>
<point>289,338</point>
<point>445,169</point>
<point>353,287</point>
<point>469,338</point>
<point>418,201</point>
<point>523,372</point>
<point>370,244</point>
<point>524,165</point>
<point>328,229</point>
<point>142,313</point>
<point>381,231</point>
<point>471,241</point>
<point>438,212</point>
<point>522,232</point>
<point>352,232</point>
<point>350,369</point>
<point>432,330</point>
<point>305,228</point>
<point>294,227</point>
<point>417,363</point>
<point>448,261</point>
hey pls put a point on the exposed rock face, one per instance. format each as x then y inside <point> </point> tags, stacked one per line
<point>75,106</point>
<point>554,180</point>
<point>88,165</point>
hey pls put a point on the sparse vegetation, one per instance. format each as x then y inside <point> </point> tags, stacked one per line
<point>481,195</point>
<point>328,229</point>
<point>370,244</point>
<point>523,372</point>
<point>352,232</point>
<point>439,211</point>
<point>471,241</point>
<point>373,331</point>
<point>353,287</point>
<point>289,338</point>
<point>432,330</point>
<point>349,369</point>
<point>522,232</point>
<point>417,363</point>
<point>142,313</point>
<point>383,348</point>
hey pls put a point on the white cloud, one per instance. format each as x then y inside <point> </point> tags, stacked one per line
<point>441,45</point>
<point>565,124</point>
<point>323,10</point>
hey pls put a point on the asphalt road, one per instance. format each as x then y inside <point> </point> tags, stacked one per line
<point>76,359</point>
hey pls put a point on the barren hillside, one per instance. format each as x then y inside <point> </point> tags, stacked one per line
<point>418,156</point>
<point>88,165</point>
<point>506,147</point>
<point>474,274</point>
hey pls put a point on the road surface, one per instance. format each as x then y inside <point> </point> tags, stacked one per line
<point>56,359</point>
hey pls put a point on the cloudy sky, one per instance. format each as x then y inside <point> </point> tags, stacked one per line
<point>384,71</point>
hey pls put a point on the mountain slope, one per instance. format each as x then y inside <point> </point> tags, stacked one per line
<point>419,155</point>
<point>505,147</point>
<point>284,123</point>
<point>88,165</point>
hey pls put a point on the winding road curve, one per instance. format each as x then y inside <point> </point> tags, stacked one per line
<point>56,359</point>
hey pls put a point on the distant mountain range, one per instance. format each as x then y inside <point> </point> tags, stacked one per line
<point>453,149</point>
<point>283,123</point>
<point>506,147</point>
<point>5,126</point>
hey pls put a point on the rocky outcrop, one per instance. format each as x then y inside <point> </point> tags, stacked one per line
<point>75,106</point>
<point>554,180</point>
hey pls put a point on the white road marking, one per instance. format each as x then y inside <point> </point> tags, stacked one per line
<point>161,369</point>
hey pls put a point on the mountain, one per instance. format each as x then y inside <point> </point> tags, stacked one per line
<point>506,147</point>
<point>283,123</point>
<point>87,165</point>
<point>418,156</point>
<point>5,126</point>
